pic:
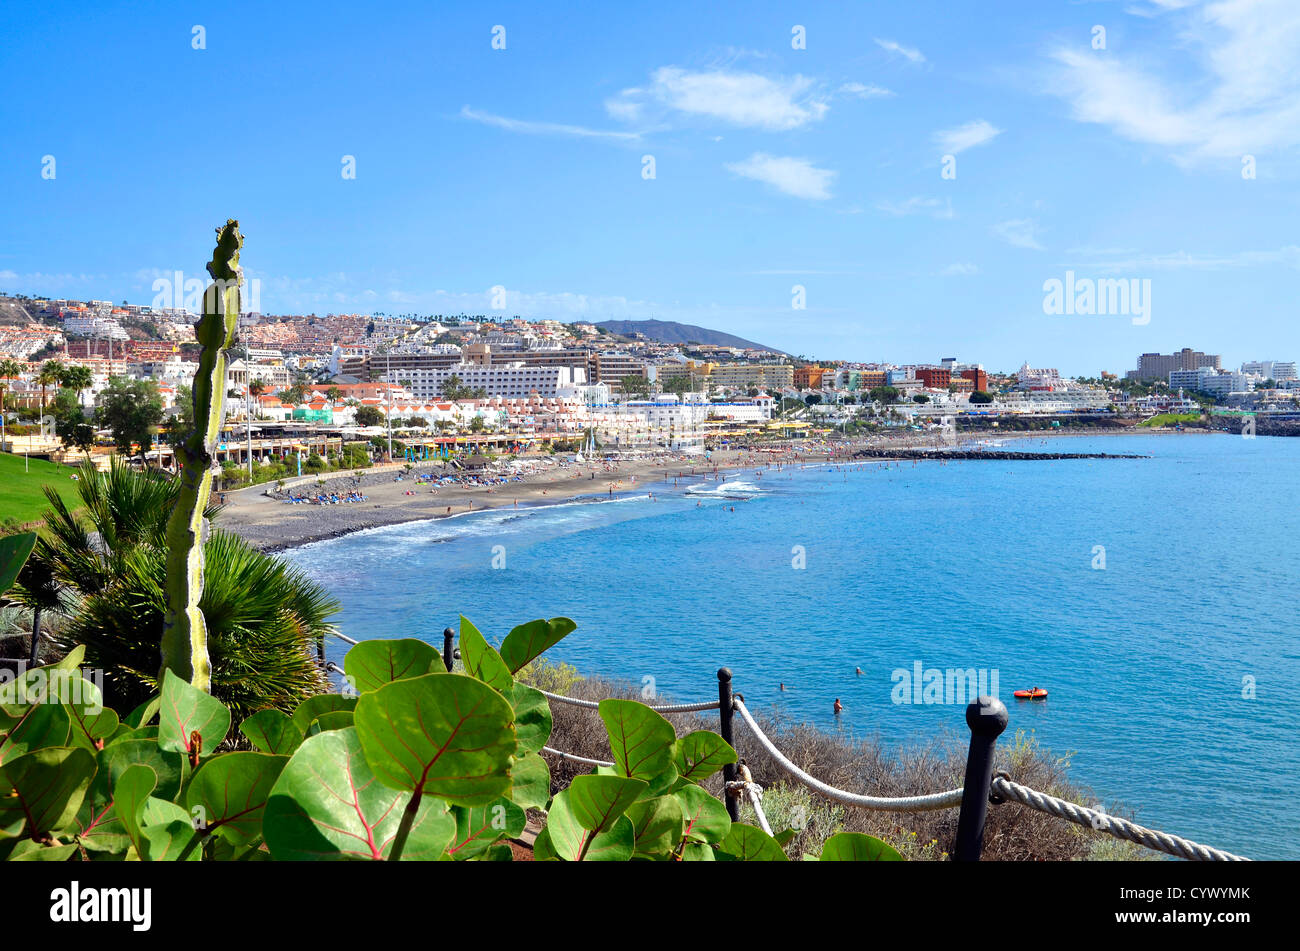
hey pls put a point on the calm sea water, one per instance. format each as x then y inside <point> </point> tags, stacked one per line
<point>986,565</point>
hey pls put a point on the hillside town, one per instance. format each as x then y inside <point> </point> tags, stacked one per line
<point>500,384</point>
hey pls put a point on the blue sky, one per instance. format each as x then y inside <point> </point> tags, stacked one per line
<point>773,166</point>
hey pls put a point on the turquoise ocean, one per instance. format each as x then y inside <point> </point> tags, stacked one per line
<point>1154,598</point>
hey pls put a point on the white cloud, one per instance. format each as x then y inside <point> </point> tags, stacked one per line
<point>737,98</point>
<point>1121,260</point>
<point>1237,92</point>
<point>960,269</point>
<point>862,91</point>
<point>977,132</point>
<point>911,53</point>
<point>938,208</point>
<point>794,176</point>
<point>529,127</point>
<point>1018,232</point>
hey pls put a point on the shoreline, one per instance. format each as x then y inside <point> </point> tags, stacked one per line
<point>271,526</point>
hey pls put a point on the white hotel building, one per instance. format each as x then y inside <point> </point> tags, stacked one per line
<point>508,380</point>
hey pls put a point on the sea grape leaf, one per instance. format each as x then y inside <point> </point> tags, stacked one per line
<point>706,819</point>
<point>478,828</point>
<point>331,720</point>
<point>532,717</point>
<point>481,659</point>
<point>858,847</point>
<point>130,792</point>
<point>657,824</point>
<point>371,664</point>
<point>328,804</point>
<point>640,740</point>
<point>597,801</point>
<point>700,754</point>
<point>530,780</point>
<point>568,839</point>
<point>45,788</point>
<point>272,731</point>
<point>37,726</point>
<point>445,735</point>
<point>313,707</point>
<point>14,552</point>
<point>747,843</point>
<point>530,640</point>
<point>228,794</point>
<point>91,721</point>
<point>185,710</point>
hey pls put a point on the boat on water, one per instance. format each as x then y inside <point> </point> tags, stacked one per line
<point>1038,693</point>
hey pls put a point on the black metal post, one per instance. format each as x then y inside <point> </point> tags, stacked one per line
<point>724,715</point>
<point>447,656</point>
<point>987,717</point>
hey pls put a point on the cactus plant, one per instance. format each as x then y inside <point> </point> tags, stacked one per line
<point>185,635</point>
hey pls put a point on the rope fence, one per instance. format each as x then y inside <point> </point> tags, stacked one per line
<point>987,717</point>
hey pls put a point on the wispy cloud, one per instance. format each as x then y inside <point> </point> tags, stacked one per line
<point>1123,260</point>
<point>960,269</point>
<point>909,52</point>
<point>529,127</point>
<point>1018,232</point>
<point>864,91</point>
<point>935,207</point>
<point>793,176</point>
<point>750,100</point>
<point>978,132</point>
<point>1236,92</point>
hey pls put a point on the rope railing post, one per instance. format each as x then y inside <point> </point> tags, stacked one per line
<point>447,656</point>
<point>724,716</point>
<point>987,717</point>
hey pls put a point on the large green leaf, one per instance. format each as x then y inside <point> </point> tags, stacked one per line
<point>92,722</point>
<point>130,793</point>
<point>532,717</point>
<point>186,710</point>
<point>99,828</point>
<point>272,731</point>
<point>228,794</point>
<point>746,843</point>
<point>446,735</point>
<point>315,707</point>
<point>14,552</point>
<point>568,839</point>
<point>529,641</point>
<point>37,726</point>
<point>328,804</point>
<point>706,819</point>
<point>640,740</point>
<point>481,659</point>
<point>657,824</point>
<point>700,754</point>
<point>530,781</point>
<point>858,847</point>
<point>479,827</point>
<point>371,664</point>
<point>598,801</point>
<point>45,788</point>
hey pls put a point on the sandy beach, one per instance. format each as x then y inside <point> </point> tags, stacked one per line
<point>268,523</point>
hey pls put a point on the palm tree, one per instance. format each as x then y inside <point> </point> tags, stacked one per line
<point>8,370</point>
<point>51,375</point>
<point>264,616</point>
<point>77,378</point>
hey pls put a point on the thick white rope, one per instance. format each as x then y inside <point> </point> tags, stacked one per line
<point>943,800</point>
<point>574,758</point>
<point>595,705</point>
<point>1100,821</point>
<point>748,789</point>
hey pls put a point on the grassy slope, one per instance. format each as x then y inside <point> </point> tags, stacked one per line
<point>21,498</point>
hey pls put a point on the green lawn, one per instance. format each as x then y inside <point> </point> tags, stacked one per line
<point>1170,419</point>
<point>21,498</point>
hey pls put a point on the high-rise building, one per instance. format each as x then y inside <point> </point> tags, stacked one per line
<point>1158,366</point>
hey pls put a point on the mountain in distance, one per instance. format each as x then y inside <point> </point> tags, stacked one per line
<point>669,331</point>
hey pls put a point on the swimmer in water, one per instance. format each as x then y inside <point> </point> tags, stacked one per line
<point>839,707</point>
<point>859,670</point>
